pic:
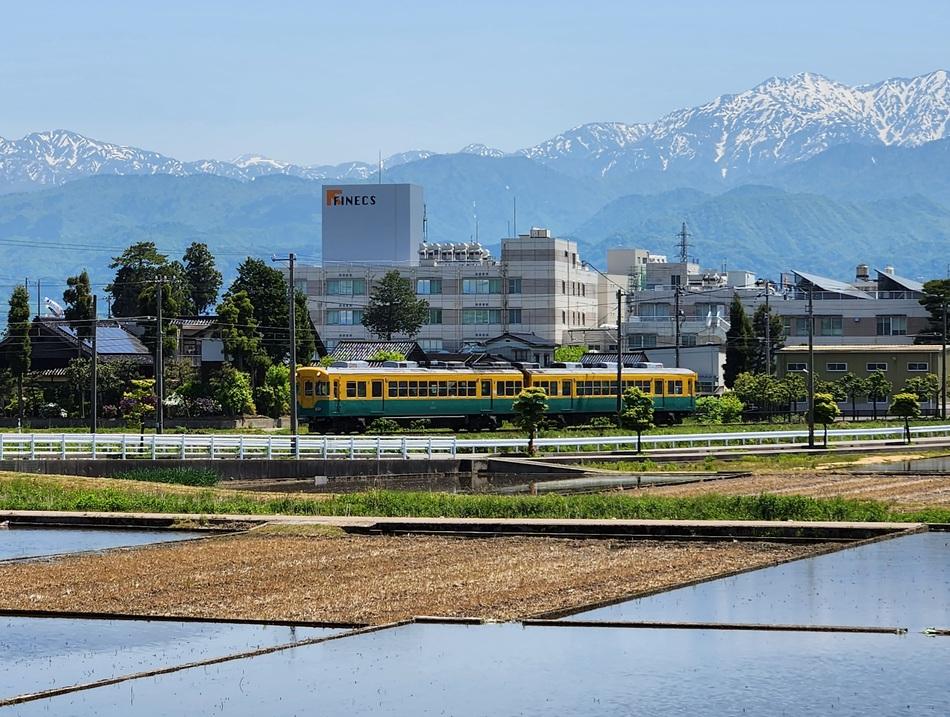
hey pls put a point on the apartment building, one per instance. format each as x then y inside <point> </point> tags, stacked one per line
<point>539,286</point>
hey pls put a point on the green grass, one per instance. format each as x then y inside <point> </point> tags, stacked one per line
<point>37,493</point>
<point>179,476</point>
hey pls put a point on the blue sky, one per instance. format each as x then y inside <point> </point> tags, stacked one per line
<point>315,82</point>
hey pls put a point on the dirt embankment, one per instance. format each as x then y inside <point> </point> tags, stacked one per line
<point>906,491</point>
<point>345,578</point>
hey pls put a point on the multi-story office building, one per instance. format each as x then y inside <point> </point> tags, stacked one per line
<point>538,286</point>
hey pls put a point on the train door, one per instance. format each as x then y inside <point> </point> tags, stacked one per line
<point>658,401</point>
<point>568,393</point>
<point>488,396</point>
<point>377,400</point>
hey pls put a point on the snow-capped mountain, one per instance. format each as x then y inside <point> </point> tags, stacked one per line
<point>57,156</point>
<point>780,121</point>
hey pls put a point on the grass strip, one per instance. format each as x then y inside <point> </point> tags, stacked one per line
<point>40,493</point>
<point>178,476</point>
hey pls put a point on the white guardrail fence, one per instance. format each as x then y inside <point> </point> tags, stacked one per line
<point>63,446</point>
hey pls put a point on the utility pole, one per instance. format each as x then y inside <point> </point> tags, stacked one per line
<point>159,360</point>
<point>292,296</point>
<point>943,364</point>
<point>94,426</point>
<point>676,318</point>
<point>768,331</point>
<point>619,357</point>
<point>811,370</point>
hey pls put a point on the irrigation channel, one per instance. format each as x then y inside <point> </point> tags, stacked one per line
<point>850,632</point>
<point>52,446</point>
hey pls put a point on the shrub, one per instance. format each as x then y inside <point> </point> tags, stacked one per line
<point>387,355</point>
<point>382,426</point>
<point>232,389</point>
<point>602,422</point>
<point>273,397</point>
<point>420,424</point>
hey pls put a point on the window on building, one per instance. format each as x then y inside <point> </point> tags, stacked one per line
<point>435,316</point>
<point>797,366</point>
<point>836,367</point>
<point>514,285</point>
<point>481,286</point>
<point>655,311</point>
<point>346,287</point>
<point>688,340</point>
<point>891,325</point>
<point>641,341</point>
<point>428,286</point>
<point>916,366</point>
<point>481,316</point>
<point>675,280</point>
<point>876,366</point>
<point>514,316</point>
<point>563,317</point>
<point>563,287</point>
<point>430,344</point>
<point>827,326</point>
<point>795,325</point>
<point>344,317</point>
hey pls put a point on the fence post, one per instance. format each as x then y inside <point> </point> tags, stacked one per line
<point>182,454</point>
<point>154,445</point>
<point>352,447</point>
<point>405,449</point>
<point>241,448</point>
<point>270,447</point>
<point>211,446</point>
<point>62,447</point>
<point>379,448</point>
<point>454,445</point>
<point>429,449</point>
<point>32,446</point>
<point>1,446</point>
<point>324,448</point>
<point>125,438</point>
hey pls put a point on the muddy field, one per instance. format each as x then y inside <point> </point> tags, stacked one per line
<point>294,574</point>
<point>906,491</point>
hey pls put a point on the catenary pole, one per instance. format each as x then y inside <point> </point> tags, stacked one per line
<point>943,364</point>
<point>159,360</point>
<point>292,296</point>
<point>768,332</point>
<point>811,371</point>
<point>619,356</point>
<point>94,425</point>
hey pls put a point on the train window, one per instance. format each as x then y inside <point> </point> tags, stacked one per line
<point>552,388</point>
<point>658,387</point>
<point>565,388</point>
<point>393,389</point>
<point>323,388</point>
<point>403,389</point>
<point>351,389</point>
<point>674,387</point>
<point>377,389</point>
<point>308,388</point>
<point>486,388</point>
<point>413,389</point>
<point>452,389</point>
<point>361,389</point>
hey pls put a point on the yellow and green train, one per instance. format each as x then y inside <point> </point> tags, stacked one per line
<point>346,399</point>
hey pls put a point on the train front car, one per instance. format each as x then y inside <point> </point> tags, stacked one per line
<point>576,395</point>
<point>348,398</point>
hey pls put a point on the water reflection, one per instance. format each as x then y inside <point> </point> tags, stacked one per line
<point>35,542</point>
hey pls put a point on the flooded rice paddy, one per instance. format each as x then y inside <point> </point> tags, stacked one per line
<point>18,542</point>
<point>509,669</point>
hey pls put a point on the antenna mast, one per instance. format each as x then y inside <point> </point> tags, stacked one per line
<point>683,244</point>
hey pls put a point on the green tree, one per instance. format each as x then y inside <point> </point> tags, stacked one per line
<point>878,388</point>
<point>905,405</point>
<point>530,407</point>
<point>136,267</point>
<point>239,332</point>
<point>388,355</point>
<point>138,402</point>
<point>267,289</point>
<point>78,310</point>
<point>793,389</point>
<point>730,408</point>
<point>570,353</point>
<point>722,409</point>
<point>936,295</point>
<point>273,395</point>
<point>232,389</point>
<point>826,411</point>
<point>171,279</point>
<point>776,336</point>
<point>637,413</point>
<point>306,333</point>
<point>853,386</point>
<point>740,343</point>
<point>394,309</point>
<point>19,351</point>
<point>925,387</point>
<point>202,277</point>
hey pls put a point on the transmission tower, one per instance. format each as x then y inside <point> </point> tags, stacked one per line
<point>683,244</point>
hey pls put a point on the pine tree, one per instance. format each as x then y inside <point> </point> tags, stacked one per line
<point>394,309</point>
<point>202,277</point>
<point>776,337</point>
<point>136,267</point>
<point>78,309</point>
<point>740,343</point>
<point>19,352</point>
<point>936,296</point>
<point>239,332</point>
<point>306,332</point>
